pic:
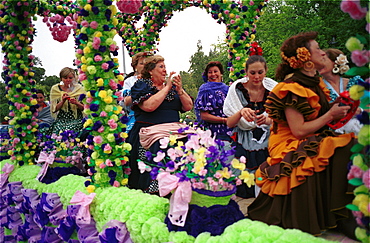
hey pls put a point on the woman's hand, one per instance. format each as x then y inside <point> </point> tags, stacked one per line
<point>169,82</point>
<point>248,114</point>
<point>65,97</point>
<point>338,112</point>
<point>263,120</point>
<point>178,83</point>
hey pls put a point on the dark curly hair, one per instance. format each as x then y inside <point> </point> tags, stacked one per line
<point>289,48</point>
<point>150,64</point>
<point>212,64</point>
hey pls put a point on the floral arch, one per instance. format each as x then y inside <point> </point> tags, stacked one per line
<point>94,24</point>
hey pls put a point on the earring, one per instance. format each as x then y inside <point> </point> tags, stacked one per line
<point>308,66</point>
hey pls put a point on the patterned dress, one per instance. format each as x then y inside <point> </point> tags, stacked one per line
<point>211,98</point>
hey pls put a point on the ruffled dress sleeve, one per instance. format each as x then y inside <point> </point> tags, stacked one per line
<point>292,94</point>
<point>141,91</point>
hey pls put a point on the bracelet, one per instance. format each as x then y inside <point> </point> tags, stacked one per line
<point>181,92</point>
<point>224,120</point>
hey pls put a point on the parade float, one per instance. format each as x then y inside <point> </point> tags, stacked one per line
<point>99,207</point>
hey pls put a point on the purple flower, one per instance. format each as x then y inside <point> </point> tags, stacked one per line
<point>94,107</point>
<point>170,165</point>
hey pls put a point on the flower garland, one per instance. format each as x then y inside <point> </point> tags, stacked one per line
<point>359,174</point>
<point>99,73</point>
<point>340,65</point>
<point>239,18</point>
<point>16,36</point>
<point>295,62</point>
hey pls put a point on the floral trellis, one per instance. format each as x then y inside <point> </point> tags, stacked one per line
<point>95,23</point>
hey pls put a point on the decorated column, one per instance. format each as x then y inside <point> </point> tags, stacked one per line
<point>99,73</point>
<point>16,36</point>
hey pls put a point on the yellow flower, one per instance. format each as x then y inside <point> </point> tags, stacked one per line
<point>87,123</point>
<point>124,182</point>
<point>225,173</point>
<point>356,91</point>
<point>108,100</point>
<point>102,94</point>
<point>173,139</point>
<point>90,188</point>
<point>237,165</point>
<point>247,177</point>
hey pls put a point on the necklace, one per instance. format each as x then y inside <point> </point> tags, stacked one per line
<point>259,98</point>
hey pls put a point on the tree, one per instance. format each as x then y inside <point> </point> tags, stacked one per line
<point>283,19</point>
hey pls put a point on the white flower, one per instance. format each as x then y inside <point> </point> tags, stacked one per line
<point>343,69</point>
<point>341,60</point>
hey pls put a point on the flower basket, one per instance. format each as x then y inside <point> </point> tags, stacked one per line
<point>207,198</point>
<point>209,211</point>
<point>59,169</point>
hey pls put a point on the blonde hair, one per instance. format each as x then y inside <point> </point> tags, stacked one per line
<point>66,71</point>
<point>150,64</point>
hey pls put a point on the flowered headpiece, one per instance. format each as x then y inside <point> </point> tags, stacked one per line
<point>340,65</point>
<point>303,55</point>
<point>255,49</point>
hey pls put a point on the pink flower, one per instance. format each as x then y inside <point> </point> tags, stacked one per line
<point>129,6</point>
<point>360,58</point>
<point>107,147</point>
<point>164,142</point>
<point>366,178</point>
<point>102,166</point>
<point>84,23</point>
<point>355,172</point>
<point>96,43</point>
<point>82,76</point>
<point>113,84</point>
<point>105,66</point>
<point>89,99</point>
<point>112,124</point>
<point>108,162</point>
<point>98,139</point>
<point>103,114</point>
<point>101,129</point>
<point>89,172</point>
<point>159,157</point>
<point>94,25</point>
<point>354,9</point>
<point>116,184</point>
<point>98,58</point>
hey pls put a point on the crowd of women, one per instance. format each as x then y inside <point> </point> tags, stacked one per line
<point>279,127</point>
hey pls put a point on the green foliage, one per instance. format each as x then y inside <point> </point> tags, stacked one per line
<point>283,19</point>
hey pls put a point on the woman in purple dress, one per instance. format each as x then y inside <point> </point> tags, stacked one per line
<point>210,101</point>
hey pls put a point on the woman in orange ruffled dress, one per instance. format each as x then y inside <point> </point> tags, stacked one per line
<point>304,181</point>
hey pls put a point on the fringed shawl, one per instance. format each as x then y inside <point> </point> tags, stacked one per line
<point>56,96</point>
<point>233,103</point>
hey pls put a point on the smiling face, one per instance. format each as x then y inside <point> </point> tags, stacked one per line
<point>318,56</point>
<point>256,72</point>
<point>214,74</point>
<point>159,73</point>
<point>68,80</point>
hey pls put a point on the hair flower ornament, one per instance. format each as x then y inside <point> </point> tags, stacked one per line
<point>340,65</point>
<point>303,55</point>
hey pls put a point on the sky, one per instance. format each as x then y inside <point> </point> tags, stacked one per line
<point>178,41</point>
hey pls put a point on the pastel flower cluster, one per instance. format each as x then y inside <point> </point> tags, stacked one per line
<point>340,65</point>
<point>238,16</point>
<point>65,146</point>
<point>16,37</point>
<point>106,121</point>
<point>202,160</point>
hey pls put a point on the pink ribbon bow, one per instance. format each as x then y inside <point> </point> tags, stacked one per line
<point>47,160</point>
<point>83,214</point>
<point>7,169</point>
<point>179,201</point>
